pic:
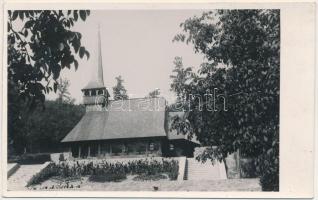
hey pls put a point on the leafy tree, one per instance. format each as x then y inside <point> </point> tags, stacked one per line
<point>62,91</point>
<point>119,90</point>
<point>180,78</point>
<point>154,94</point>
<point>40,49</point>
<point>242,50</point>
<point>40,44</point>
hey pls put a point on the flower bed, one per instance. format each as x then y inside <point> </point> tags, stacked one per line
<point>106,171</point>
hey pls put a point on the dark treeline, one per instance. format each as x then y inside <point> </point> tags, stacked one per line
<point>42,130</point>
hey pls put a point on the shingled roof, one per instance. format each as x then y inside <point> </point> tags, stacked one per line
<point>133,118</point>
<point>94,85</point>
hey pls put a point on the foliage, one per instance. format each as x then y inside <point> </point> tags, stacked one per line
<point>154,94</point>
<point>46,173</point>
<point>43,130</point>
<point>153,167</point>
<point>107,171</point>
<point>36,158</point>
<point>248,168</point>
<point>119,91</point>
<point>268,165</point>
<point>61,157</point>
<point>180,78</point>
<point>40,44</point>
<point>241,69</point>
<point>40,49</point>
<point>108,177</point>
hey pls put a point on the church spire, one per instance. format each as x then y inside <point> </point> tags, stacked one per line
<point>95,93</point>
<point>100,78</point>
<point>97,80</point>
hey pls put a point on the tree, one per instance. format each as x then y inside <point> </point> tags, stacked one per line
<point>154,94</point>
<point>62,91</point>
<point>119,91</point>
<point>38,50</point>
<point>180,78</point>
<point>242,50</point>
<point>44,129</point>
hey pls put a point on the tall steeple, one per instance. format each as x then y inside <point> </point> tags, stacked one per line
<point>95,93</point>
<point>97,79</point>
<point>100,61</point>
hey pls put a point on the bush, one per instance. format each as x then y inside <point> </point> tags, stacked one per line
<point>268,168</point>
<point>109,177</point>
<point>105,171</point>
<point>172,168</point>
<point>61,158</point>
<point>248,168</point>
<point>46,173</point>
<point>154,167</point>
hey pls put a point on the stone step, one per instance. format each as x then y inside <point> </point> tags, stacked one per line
<point>204,171</point>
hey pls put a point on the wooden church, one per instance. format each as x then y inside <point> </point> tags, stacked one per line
<point>125,128</point>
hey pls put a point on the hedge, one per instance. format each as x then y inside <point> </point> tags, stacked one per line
<point>106,171</point>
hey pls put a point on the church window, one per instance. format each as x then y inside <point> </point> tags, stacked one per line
<point>153,146</point>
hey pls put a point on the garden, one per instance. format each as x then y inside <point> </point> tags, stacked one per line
<point>72,174</point>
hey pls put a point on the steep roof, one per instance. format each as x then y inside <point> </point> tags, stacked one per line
<point>94,85</point>
<point>133,118</point>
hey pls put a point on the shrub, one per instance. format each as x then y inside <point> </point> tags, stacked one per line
<point>61,158</point>
<point>46,173</point>
<point>248,168</point>
<point>108,177</point>
<point>106,171</point>
<point>154,167</point>
<point>268,168</point>
<point>172,168</point>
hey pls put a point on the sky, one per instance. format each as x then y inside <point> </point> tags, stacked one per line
<point>136,44</point>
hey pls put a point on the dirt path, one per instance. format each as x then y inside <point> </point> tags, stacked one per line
<point>188,185</point>
<point>161,185</point>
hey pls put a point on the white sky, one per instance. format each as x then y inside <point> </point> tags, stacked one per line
<point>136,44</point>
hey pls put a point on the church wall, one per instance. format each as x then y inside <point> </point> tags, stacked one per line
<point>118,148</point>
<point>132,148</point>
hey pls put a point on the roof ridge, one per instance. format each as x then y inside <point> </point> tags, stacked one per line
<point>136,98</point>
